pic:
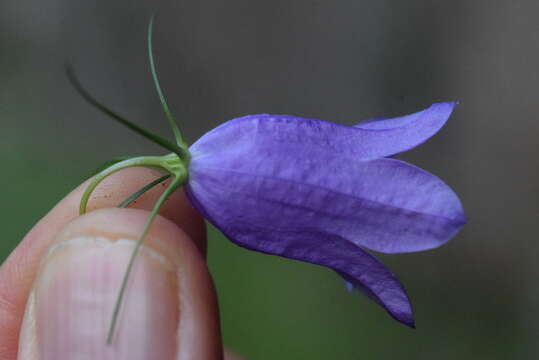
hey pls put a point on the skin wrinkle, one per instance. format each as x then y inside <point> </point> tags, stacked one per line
<point>108,242</point>
<point>6,305</point>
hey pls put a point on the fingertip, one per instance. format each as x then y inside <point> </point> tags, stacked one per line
<point>18,272</point>
<point>170,304</point>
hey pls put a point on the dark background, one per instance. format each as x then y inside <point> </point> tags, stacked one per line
<point>343,61</point>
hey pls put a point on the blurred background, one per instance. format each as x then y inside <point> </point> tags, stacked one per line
<point>343,61</point>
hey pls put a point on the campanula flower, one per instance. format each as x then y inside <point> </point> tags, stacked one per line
<point>325,193</point>
<point>308,190</point>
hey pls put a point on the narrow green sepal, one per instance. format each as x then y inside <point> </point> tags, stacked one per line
<point>142,190</point>
<point>181,151</point>
<point>175,184</point>
<point>168,115</point>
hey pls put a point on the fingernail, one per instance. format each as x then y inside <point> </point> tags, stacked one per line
<point>75,295</point>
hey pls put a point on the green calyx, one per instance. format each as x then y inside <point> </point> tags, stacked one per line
<point>175,165</point>
<point>170,163</point>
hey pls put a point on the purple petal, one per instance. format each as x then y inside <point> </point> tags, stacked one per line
<point>390,293</point>
<point>249,228</point>
<point>302,189</point>
<point>369,140</point>
<point>385,205</point>
<point>406,132</point>
<point>433,119</point>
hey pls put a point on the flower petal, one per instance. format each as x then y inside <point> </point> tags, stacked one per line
<point>427,121</point>
<point>403,133</point>
<point>249,228</point>
<point>368,140</point>
<point>385,205</point>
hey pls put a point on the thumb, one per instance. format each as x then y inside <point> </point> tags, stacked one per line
<point>169,311</point>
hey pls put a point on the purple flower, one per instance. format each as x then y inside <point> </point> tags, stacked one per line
<point>325,193</point>
<point>308,190</point>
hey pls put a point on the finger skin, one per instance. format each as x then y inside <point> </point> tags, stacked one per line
<point>197,334</point>
<point>18,272</point>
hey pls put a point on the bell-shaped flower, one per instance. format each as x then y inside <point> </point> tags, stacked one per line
<point>315,191</point>
<point>308,190</point>
<point>325,193</point>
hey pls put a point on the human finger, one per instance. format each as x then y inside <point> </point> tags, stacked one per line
<point>18,272</point>
<point>170,309</point>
